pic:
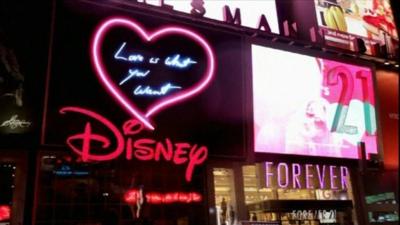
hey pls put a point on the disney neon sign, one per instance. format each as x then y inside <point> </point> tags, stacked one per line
<point>144,149</point>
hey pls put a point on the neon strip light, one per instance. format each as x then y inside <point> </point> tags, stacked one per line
<point>144,149</point>
<point>150,37</point>
<point>132,196</point>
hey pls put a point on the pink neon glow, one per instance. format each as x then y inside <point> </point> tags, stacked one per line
<point>5,212</point>
<point>143,149</point>
<point>311,106</point>
<point>132,196</point>
<point>104,76</point>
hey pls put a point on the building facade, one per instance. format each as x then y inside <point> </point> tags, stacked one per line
<point>199,112</point>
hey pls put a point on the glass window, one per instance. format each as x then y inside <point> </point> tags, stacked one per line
<point>273,192</point>
<point>119,192</point>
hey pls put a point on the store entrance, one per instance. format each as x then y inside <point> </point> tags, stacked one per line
<point>225,200</point>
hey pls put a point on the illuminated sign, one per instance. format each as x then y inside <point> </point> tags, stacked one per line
<point>135,195</point>
<point>144,149</point>
<point>344,21</point>
<point>161,72</point>
<point>67,171</point>
<point>249,15</point>
<point>316,176</point>
<point>14,123</point>
<point>311,106</point>
<point>5,213</point>
<point>152,69</point>
<point>133,70</point>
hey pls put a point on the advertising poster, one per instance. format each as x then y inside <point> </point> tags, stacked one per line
<point>344,20</point>
<point>311,106</point>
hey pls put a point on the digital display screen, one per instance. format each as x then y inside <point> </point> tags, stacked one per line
<point>372,21</point>
<point>305,105</point>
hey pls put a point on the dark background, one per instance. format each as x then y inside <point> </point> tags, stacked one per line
<point>214,118</point>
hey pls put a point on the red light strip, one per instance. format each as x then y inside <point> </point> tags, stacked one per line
<point>5,212</point>
<point>133,196</point>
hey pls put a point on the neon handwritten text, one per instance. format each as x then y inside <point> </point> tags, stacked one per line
<point>133,195</point>
<point>177,62</point>
<point>129,58</point>
<point>14,123</point>
<point>134,73</point>
<point>147,90</point>
<point>144,149</point>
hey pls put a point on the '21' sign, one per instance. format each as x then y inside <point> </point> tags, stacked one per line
<point>348,80</point>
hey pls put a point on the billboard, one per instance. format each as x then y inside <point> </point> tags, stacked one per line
<point>344,20</point>
<point>305,105</point>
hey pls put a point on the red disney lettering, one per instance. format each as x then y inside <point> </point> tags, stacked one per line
<point>143,149</point>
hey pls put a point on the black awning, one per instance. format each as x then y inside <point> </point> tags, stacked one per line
<point>290,205</point>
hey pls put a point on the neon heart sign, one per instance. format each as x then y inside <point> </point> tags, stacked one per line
<point>149,37</point>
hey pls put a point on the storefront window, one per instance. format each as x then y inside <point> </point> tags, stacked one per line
<point>74,192</point>
<point>225,201</point>
<point>297,194</point>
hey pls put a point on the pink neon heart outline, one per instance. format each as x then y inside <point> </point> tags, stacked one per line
<point>157,106</point>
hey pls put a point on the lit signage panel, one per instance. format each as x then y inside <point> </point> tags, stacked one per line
<point>250,13</point>
<point>372,21</point>
<point>133,87</point>
<point>310,106</point>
